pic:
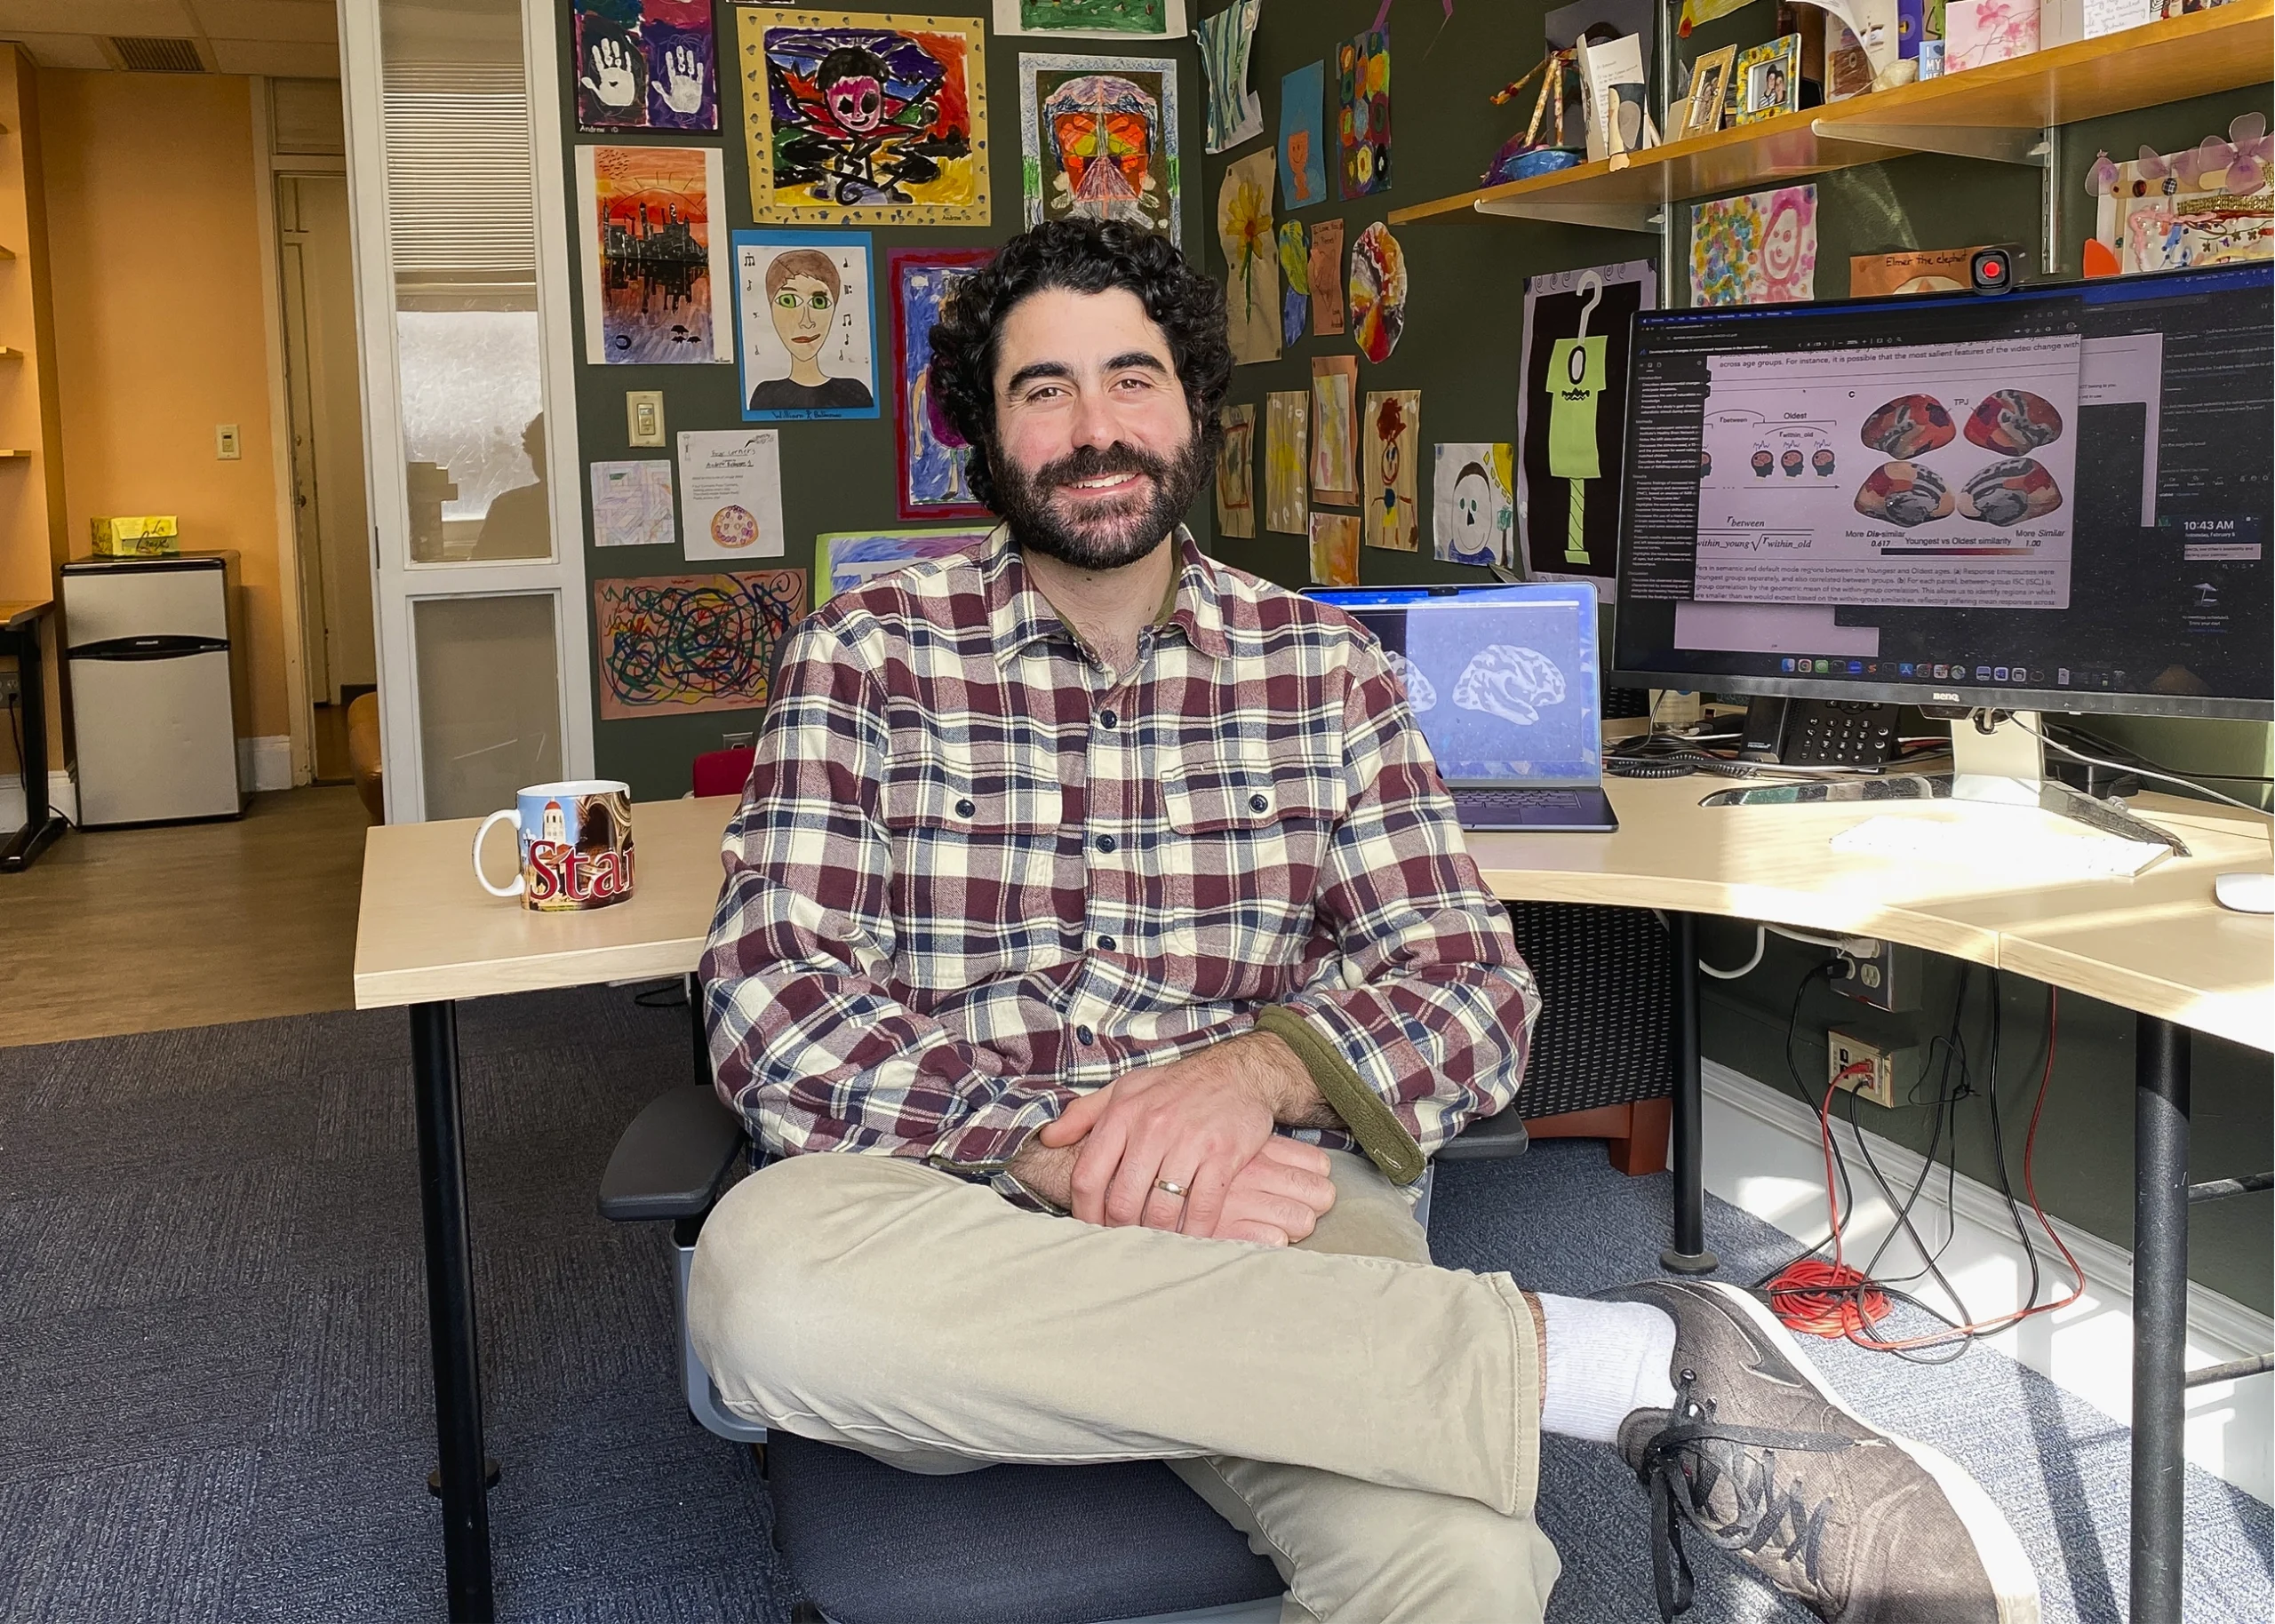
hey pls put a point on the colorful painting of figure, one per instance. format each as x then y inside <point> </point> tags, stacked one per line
<point>933,480</point>
<point>857,117</point>
<point>1362,98</point>
<point>1327,278</point>
<point>1303,157</point>
<point>1392,436</point>
<point>646,65</point>
<point>655,271</point>
<point>1099,138</point>
<point>1236,473</point>
<point>805,337</point>
<point>1474,518</point>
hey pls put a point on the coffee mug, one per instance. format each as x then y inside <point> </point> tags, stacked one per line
<point>575,846</point>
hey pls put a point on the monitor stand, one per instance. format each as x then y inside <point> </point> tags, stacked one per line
<point>1998,759</point>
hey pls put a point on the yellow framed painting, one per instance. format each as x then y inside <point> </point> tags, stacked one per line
<point>864,119</point>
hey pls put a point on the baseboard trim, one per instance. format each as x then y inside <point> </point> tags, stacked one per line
<point>265,763</point>
<point>62,794</point>
<point>1763,1155</point>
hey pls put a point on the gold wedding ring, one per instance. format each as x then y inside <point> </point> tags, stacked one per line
<point>1170,1187</point>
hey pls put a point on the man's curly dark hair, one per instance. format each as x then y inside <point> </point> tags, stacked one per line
<point>1085,256</point>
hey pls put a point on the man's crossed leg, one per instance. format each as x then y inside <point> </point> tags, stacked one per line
<point>1370,1421</point>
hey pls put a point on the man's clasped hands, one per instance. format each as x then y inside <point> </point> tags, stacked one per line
<point>1203,1125</point>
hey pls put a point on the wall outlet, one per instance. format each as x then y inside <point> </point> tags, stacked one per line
<point>1878,1084</point>
<point>1888,979</point>
<point>11,687</point>
<point>227,446</point>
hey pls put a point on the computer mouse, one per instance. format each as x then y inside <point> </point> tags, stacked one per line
<point>2246,893</point>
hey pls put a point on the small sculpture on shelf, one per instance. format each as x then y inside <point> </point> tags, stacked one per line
<point>1525,154</point>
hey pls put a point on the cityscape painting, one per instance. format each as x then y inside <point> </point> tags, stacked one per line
<point>656,282</point>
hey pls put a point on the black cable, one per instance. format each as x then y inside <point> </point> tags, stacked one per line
<point>670,995</point>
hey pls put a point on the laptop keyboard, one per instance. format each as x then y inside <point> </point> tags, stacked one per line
<point>1513,801</point>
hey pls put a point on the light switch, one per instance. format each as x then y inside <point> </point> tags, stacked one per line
<point>224,442</point>
<point>644,415</point>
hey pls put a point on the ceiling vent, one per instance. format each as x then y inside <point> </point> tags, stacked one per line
<point>157,56</point>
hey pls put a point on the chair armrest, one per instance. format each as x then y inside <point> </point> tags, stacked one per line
<point>669,1162</point>
<point>1503,1134</point>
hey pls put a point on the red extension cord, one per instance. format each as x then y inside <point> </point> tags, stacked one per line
<point>1833,1299</point>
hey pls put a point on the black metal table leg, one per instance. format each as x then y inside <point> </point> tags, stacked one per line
<point>1688,1254</point>
<point>450,1312</point>
<point>2161,1059</point>
<point>42,826</point>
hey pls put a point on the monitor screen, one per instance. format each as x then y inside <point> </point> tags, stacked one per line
<point>2055,498</point>
<point>1503,681</point>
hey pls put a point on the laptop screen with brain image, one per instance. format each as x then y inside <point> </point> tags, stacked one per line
<point>1503,681</point>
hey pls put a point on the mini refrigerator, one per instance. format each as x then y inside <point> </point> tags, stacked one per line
<point>153,648</point>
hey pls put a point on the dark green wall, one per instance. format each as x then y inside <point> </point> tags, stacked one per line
<point>836,476</point>
<point>1461,350</point>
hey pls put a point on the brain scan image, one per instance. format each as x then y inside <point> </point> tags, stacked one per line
<point>1765,463</point>
<point>1420,696</point>
<point>1512,683</point>
<point>1904,493</point>
<point>1822,460</point>
<point>1909,425</point>
<point>1791,462</point>
<point>2010,491</point>
<point>2014,420</point>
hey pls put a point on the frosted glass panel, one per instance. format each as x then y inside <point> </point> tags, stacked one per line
<point>489,699</point>
<point>461,192</point>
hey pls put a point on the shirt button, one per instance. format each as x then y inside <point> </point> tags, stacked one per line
<point>1105,944</point>
<point>1107,719</point>
<point>1083,1035</point>
<point>964,808</point>
<point>1106,842</point>
<point>1256,803</point>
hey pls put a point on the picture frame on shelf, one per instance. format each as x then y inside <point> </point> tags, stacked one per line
<point>1768,77</point>
<point>1710,83</point>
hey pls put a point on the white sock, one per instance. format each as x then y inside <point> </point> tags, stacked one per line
<point>1606,1360</point>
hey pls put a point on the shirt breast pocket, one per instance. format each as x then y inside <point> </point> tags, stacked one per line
<point>976,857</point>
<point>1240,869</point>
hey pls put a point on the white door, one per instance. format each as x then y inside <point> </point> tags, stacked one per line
<point>462,295</point>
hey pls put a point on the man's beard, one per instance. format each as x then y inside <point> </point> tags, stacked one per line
<point>1109,535</point>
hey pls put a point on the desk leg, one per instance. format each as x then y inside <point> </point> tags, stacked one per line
<point>1688,1254</point>
<point>42,826</point>
<point>450,1312</point>
<point>2161,1057</point>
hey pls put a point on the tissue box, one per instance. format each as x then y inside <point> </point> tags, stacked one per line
<point>137,536</point>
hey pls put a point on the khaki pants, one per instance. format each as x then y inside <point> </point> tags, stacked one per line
<point>1370,1421</point>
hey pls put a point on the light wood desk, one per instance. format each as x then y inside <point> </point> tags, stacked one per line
<point>429,935</point>
<point>2158,944</point>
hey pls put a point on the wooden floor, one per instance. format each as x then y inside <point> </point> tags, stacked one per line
<point>132,930</point>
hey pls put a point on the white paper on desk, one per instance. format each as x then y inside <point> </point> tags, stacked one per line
<point>730,493</point>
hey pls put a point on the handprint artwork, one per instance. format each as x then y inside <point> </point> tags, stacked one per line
<point>646,65</point>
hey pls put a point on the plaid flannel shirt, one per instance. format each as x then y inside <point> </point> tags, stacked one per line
<point>976,873</point>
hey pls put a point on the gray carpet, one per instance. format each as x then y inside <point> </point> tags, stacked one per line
<point>214,1401</point>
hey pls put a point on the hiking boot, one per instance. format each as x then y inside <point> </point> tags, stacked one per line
<point>1759,1456</point>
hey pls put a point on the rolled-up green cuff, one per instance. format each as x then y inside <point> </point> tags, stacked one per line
<point>1368,1117</point>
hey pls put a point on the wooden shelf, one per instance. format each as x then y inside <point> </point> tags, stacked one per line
<point>1995,113</point>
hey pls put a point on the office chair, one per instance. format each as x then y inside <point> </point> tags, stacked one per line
<point>871,1544</point>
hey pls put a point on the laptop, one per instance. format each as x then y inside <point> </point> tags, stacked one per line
<point>1504,684</point>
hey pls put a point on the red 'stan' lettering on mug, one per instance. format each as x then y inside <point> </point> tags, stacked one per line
<point>575,846</point>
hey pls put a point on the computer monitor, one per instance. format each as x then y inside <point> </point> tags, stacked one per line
<point>2056,498</point>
